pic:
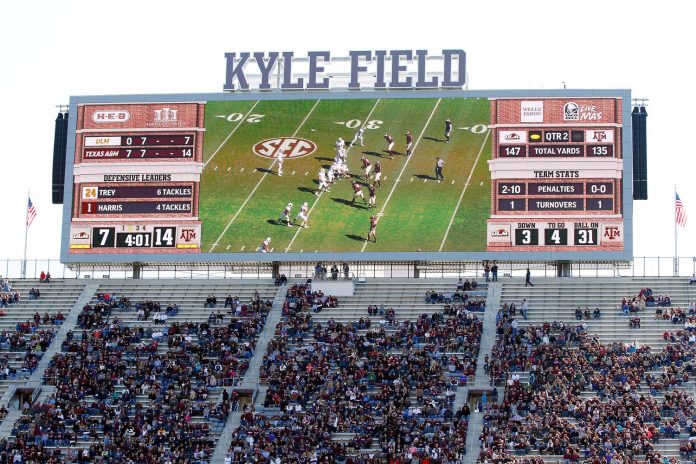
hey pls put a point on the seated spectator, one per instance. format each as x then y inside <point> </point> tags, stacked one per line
<point>42,277</point>
<point>210,301</point>
<point>578,314</point>
<point>596,313</point>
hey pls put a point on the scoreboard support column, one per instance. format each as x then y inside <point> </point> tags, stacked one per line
<point>138,270</point>
<point>563,269</point>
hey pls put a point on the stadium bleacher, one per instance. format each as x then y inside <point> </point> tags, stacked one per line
<point>301,377</point>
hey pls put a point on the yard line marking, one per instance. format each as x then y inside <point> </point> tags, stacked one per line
<point>229,169</point>
<point>403,168</point>
<point>316,200</point>
<point>243,247</point>
<point>230,134</point>
<point>228,247</point>
<point>215,168</point>
<point>306,173</point>
<point>241,170</point>
<point>466,185</point>
<point>229,224</point>
<point>292,173</point>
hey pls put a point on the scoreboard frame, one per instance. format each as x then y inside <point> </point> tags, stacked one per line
<point>623,190</point>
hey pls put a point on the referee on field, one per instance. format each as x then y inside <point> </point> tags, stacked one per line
<point>439,164</point>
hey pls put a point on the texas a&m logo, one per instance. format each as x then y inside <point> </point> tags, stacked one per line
<point>291,147</point>
<point>187,235</point>
<point>612,232</point>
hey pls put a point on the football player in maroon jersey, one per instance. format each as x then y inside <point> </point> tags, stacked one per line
<point>372,202</point>
<point>373,228</point>
<point>378,174</point>
<point>358,192</point>
<point>409,141</point>
<point>367,166</point>
<point>390,145</point>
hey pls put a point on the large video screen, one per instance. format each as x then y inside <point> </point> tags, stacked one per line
<point>284,177</point>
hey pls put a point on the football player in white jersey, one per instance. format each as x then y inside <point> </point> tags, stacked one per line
<point>285,215</point>
<point>340,144</point>
<point>359,136</point>
<point>280,157</point>
<point>323,185</point>
<point>303,214</point>
<point>265,246</point>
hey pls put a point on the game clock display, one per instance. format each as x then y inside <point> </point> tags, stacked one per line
<point>159,237</point>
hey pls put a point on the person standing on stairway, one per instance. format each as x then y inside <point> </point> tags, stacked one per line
<point>527,277</point>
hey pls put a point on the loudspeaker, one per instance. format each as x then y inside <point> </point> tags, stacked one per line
<point>60,140</point>
<point>640,153</point>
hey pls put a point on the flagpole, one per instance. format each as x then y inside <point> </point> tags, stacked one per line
<point>26,233</point>
<point>676,255</point>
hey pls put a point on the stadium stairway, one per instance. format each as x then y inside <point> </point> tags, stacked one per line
<point>251,376</point>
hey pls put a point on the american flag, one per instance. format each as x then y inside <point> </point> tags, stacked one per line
<point>31,213</point>
<point>681,212</point>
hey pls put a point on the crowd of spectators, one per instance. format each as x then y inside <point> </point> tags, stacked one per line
<point>644,298</point>
<point>137,394</point>
<point>393,391</point>
<point>584,400</point>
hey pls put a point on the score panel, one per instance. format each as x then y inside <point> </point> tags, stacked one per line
<point>520,196</point>
<point>139,146</point>
<point>534,235</point>
<point>115,238</point>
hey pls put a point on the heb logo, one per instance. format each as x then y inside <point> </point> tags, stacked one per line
<point>291,147</point>
<point>612,232</point>
<point>111,116</point>
<point>81,236</point>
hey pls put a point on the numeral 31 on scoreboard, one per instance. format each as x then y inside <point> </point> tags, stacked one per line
<point>586,236</point>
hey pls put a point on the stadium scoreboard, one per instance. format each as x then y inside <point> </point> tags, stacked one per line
<point>136,178</point>
<point>557,175</point>
<point>195,178</point>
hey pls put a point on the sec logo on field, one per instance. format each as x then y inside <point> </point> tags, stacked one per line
<point>291,147</point>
